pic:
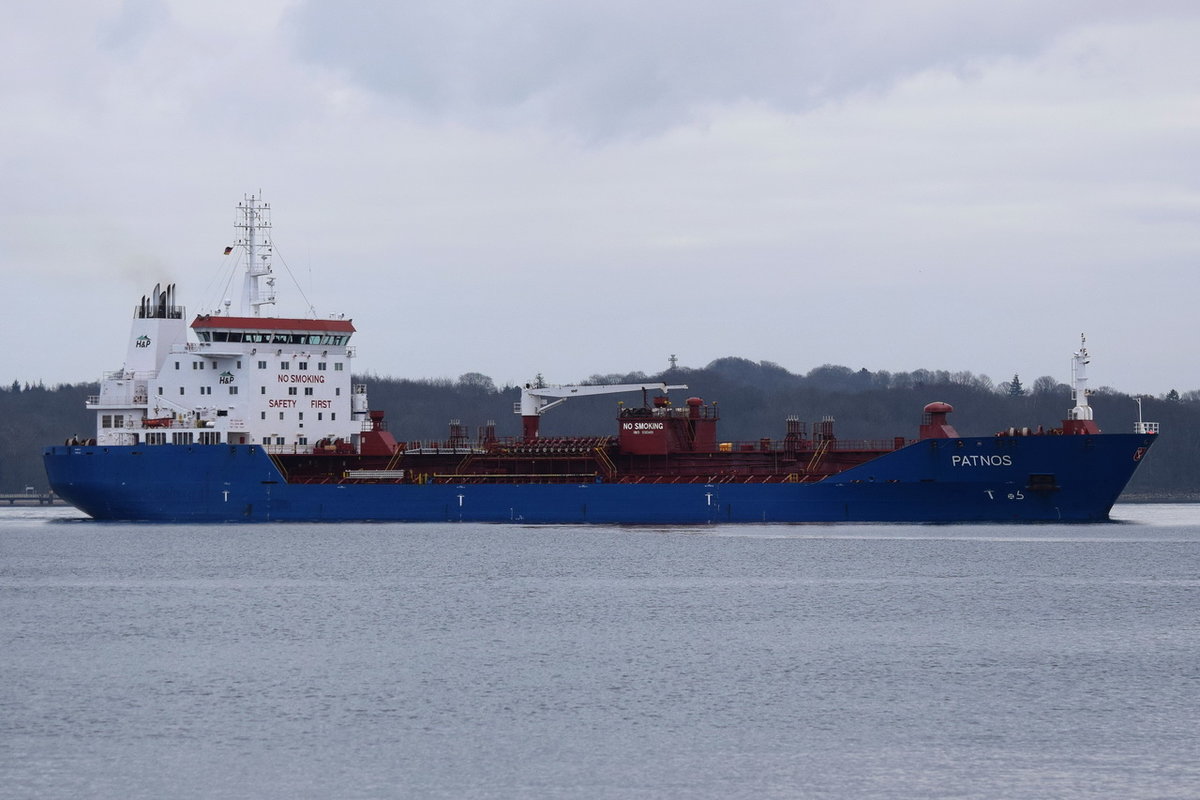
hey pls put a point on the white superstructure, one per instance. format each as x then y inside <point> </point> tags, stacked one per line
<point>253,379</point>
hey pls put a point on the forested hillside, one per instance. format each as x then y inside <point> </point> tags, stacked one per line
<point>32,417</point>
<point>754,398</point>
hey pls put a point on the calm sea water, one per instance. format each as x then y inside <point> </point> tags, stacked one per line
<point>479,661</point>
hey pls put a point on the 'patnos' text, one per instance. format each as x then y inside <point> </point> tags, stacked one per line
<point>981,461</point>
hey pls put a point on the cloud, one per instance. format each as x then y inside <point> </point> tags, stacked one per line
<point>801,182</point>
<point>618,67</point>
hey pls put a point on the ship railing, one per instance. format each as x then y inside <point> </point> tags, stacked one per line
<point>766,477</point>
<point>374,474</point>
<point>177,423</point>
<point>870,444</point>
<point>441,449</point>
<point>121,388</point>
<point>610,469</point>
<point>671,412</point>
<point>128,375</point>
<point>116,399</point>
<point>129,422</point>
<point>508,477</point>
<point>210,348</point>
<point>550,444</point>
<point>288,449</point>
<point>825,445</point>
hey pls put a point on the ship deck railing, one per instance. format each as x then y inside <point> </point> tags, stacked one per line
<point>588,445</point>
<point>309,449</point>
<point>403,476</point>
<point>553,445</point>
<point>773,477</point>
<point>528,477</point>
<point>128,375</point>
<point>812,445</point>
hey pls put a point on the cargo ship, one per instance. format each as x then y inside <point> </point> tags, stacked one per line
<point>250,417</point>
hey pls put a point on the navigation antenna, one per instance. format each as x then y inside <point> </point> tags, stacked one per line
<point>1142,426</point>
<point>254,222</point>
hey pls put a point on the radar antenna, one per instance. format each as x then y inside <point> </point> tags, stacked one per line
<point>254,222</point>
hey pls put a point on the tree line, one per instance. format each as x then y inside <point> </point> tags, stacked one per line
<point>754,400</point>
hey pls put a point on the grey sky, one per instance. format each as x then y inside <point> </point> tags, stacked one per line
<point>585,187</point>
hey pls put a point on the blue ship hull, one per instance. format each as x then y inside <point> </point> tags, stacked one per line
<point>992,479</point>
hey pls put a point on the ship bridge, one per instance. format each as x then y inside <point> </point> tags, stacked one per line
<point>273,330</point>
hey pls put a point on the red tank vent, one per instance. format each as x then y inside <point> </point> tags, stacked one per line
<point>934,424</point>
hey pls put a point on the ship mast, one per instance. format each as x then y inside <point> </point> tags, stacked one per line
<point>254,222</point>
<point>1079,419</point>
<point>1079,362</point>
